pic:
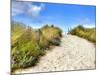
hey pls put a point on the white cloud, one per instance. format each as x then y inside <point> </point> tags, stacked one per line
<point>89,26</point>
<point>85,22</point>
<point>85,25</point>
<point>34,10</point>
<point>36,26</point>
<point>26,8</point>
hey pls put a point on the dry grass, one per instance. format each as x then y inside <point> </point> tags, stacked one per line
<point>28,45</point>
<point>87,33</point>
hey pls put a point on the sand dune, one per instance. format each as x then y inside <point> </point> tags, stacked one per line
<point>74,53</point>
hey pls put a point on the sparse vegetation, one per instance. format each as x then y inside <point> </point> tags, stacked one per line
<point>28,44</point>
<point>87,33</point>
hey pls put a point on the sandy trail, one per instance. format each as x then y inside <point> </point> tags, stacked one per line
<point>74,53</point>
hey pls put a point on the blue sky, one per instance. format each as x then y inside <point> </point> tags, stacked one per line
<point>37,14</point>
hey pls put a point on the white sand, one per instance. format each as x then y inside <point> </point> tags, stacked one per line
<point>74,53</point>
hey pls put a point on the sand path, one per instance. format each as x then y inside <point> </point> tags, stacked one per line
<point>74,53</point>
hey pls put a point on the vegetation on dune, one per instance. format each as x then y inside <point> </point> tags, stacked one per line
<point>28,45</point>
<point>87,33</point>
<point>52,34</point>
<point>17,29</point>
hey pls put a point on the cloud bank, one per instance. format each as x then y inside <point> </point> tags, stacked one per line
<point>25,8</point>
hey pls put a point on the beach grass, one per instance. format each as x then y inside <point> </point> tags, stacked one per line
<point>28,44</point>
<point>86,33</point>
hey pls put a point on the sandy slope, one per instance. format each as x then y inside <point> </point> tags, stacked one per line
<point>73,54</point>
